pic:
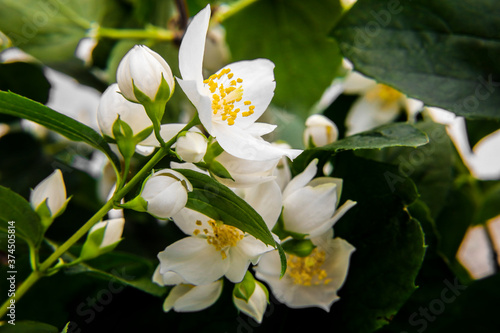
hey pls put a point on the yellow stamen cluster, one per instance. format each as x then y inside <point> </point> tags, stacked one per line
<point>387,95</point>
<point>307,271</point>
<point>226,95</point>
<point>222,236</point>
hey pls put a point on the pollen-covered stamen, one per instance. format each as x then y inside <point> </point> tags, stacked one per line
<point>307,271</point>
<point>227,93</point>
<point>223,236</point>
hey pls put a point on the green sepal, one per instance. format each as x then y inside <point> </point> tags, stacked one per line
<point>218,170</point>
<point>142,135</point>
<point>299,247</point>
<point>164,92</point>
<point>244,289</point>
<point>124,137</point>
<point>46,216</point>
<point>138,204</point>
<point>91,246</point>
<point>213,150</point>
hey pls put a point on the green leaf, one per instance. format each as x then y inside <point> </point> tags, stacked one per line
<point>489,205</point>
<point>15,208</point>
<point>292,34</point>
<point>28,326</point>
<point>15,105</point>
<point>389,245</point>
<point>396,134</point>
<point>123,268</point>
<point>218,202</point>
<point>432,51</point>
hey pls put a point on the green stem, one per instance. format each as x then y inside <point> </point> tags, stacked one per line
<point>150,32</point>
<point>236,7</point>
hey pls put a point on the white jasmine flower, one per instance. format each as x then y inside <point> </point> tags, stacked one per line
<point>212,250</point>
<point>311,281</point>
<point>112,232</point>
<point>378,104</point>
<point>319,131</point>
<point>310,204</point>
<point>230,101</point>
<point>166,193</point>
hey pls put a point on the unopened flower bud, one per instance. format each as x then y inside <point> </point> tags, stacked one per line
<point>251,297</point>
<point>48,198</point>
<point>191,146</point>
<point>319,131</point>
<point>144,73</point>
<point>112,105</point>
<point>166,193</point>
<point>103,237</point>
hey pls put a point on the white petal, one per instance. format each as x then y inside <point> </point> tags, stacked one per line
<point>309,208</point>
<point>338,214</point>
<point>258,87</point>
<point>174,295</point>
<point>201,101</point>
<point>199,297</point>
<point>243,145</point>
<point>113,233</point>
<point>266,199</point>
<point>193,46</point>
<point>366,114</point>
<point>269,265</point>
<point>336,265</point>
<point>186,219</point>
<point>302,179</point>
<point>248,250</point>
<point>194,259</point>
<point>168,202</point>
<point>357,83</point>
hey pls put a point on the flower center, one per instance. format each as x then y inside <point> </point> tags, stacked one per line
<point>227,93</point>
<point>307,271</point>
<point>385,94</point>
<point>222,236</point>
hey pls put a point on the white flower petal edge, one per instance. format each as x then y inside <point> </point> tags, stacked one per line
<point>231,100</point>
<point>189,298</point>
<point>256,306</point>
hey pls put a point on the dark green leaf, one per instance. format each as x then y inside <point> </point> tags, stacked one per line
<point>435,51</point>
<point>295,40</point>
<point>218,202</point>
<point>122,268</point>
<point>489,206</point>
<point>396,134</point>
<point>479,129</point>
<point>389,245</point>
<point>15,208</point>
<point>15,105</point>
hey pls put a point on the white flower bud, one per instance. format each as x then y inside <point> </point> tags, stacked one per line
<point>166,193</point>
<point>319,131</point>
<point>191,147</point>
<point>143,68</point>
<point>112,233</point>
<point>53,190</point>
<point>256,305</point>
<point>112,105</point>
